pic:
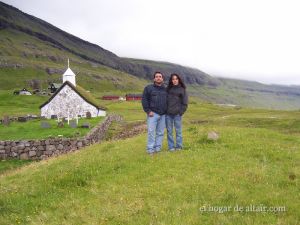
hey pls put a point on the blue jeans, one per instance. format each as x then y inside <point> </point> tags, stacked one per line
<point>156,126</point>
<point>176,122</point>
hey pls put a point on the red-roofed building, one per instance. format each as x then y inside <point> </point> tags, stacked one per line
<point>110,97</point>
<point>133,97</point>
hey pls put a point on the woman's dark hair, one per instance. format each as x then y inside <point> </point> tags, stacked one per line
<point>180,81</point>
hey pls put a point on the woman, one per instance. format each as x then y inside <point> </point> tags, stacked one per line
<point>177,102</point>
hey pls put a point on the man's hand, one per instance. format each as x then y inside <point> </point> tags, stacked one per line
<point>150,114</point>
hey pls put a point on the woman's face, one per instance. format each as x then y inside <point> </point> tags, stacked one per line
<point>175,80</point>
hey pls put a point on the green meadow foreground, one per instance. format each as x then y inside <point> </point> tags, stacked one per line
<point>255,165</point>
<point>32,129</point>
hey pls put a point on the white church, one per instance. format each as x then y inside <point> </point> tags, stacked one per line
<point>70,101</point>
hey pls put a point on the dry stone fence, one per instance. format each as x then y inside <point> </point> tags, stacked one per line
<point>42,149</point>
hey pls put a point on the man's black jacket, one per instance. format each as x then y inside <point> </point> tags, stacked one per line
<point>155,99</point>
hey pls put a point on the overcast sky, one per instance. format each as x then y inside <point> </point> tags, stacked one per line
<point>246,39</point>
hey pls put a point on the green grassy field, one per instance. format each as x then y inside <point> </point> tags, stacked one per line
<point>255,162</point>
<point>7,165</point>
<point>32,129</point>
<point>20,105</point>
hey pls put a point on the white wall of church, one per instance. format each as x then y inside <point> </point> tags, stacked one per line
<point>68,103</point>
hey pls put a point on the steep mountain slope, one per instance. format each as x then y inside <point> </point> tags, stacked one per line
<point>12,18</point>
<point>25,60</point>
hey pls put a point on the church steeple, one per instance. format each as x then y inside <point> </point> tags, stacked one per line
<point>69,75</point>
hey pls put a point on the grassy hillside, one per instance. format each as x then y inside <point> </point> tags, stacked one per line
<point>32,49</point>
<point>250,94</point>
<point>246,98</point>
<point>255,162</point>
<point>13,19</point>
<point>190,75</point>
<point>24,58</point>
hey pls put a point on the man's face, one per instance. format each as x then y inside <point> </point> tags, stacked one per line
<point>158,78</point>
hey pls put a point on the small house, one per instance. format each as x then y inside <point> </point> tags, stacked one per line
<point>24,91</point>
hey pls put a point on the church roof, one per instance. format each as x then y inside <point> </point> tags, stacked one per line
<point>80,91</point>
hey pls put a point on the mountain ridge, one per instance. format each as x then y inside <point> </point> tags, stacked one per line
<point>29,43</point>
<point>44,31</point>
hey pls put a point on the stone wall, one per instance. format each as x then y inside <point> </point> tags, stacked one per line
<point>41,149</point>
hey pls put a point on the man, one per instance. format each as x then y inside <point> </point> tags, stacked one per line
<point>154,103</point>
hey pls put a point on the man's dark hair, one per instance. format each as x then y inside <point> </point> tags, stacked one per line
<point>180,81</point>
<point>156,72</point>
